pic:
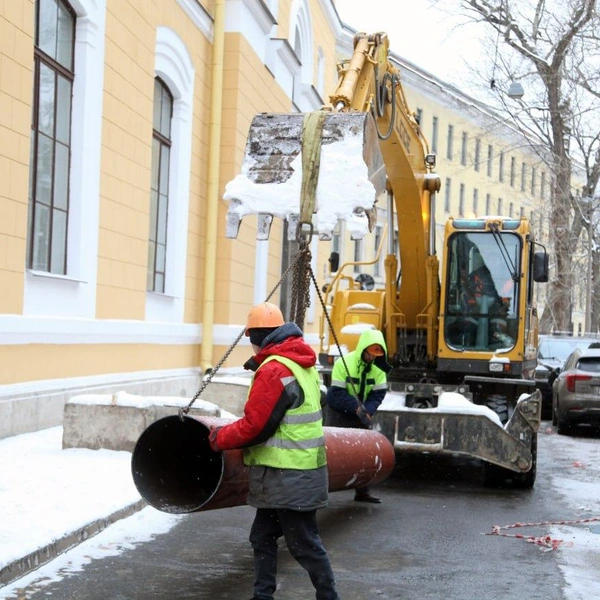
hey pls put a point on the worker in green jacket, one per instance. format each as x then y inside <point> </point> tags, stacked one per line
<point>358,387</point>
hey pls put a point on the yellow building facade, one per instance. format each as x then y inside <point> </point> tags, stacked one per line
<point>115,270</point>
<point>76,311</point>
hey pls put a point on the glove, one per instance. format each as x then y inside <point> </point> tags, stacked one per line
<point>251,364</point>
<point>212,439</point>
<point>363,416</point>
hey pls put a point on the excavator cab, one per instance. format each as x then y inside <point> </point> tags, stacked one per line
<point>487,296</point>
<point>482,306</point>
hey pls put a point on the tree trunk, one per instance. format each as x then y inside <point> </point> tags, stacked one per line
<point>595,283</point>
<point>561,236</point>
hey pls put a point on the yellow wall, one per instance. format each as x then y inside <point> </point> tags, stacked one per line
<point>125,163</point>
<point>16,79</point>
<point>40,361</point>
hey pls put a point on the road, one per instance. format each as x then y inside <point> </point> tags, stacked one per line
<point>427,540</point>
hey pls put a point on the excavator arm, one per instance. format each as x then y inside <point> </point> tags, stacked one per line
<point>316,169</point>
<point>335,164</point>
<point>371,83</point>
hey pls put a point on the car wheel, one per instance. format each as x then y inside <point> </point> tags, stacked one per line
<point>563,427</point>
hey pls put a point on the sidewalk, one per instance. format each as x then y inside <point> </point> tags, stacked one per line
<point>52,499</point>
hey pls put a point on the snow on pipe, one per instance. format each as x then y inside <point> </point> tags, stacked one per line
<point>175,470</point>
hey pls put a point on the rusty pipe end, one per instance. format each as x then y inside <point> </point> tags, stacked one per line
<point>173,467</point>
<point>175,470</point>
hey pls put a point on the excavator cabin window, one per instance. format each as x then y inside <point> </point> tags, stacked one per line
<point>482,299</point>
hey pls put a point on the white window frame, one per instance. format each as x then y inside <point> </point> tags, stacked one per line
<point>304,96</point>
<point>74,294</point>
<point>174,66</point>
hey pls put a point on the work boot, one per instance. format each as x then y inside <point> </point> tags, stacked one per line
<point>366,496</point>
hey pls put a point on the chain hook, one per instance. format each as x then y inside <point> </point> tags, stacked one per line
<point>304,233</point>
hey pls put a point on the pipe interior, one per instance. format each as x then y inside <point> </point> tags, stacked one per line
<point>173,466</point>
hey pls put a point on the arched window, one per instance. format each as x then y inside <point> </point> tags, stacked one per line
<point>170,185</point>
<point>301,38</point>
<point>159,189</point>
<point>54,54</point>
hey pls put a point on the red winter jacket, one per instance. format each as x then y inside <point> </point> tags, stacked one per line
<point>270,396</point>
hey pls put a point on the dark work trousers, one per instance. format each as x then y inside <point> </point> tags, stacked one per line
<point>335,418</point>
<point>301,533</point>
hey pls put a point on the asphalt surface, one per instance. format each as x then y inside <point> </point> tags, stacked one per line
<point>425,541</point>
<point>429,539</point>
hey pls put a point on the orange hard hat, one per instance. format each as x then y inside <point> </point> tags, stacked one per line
<point>264,314</point>
<point>375,350</point>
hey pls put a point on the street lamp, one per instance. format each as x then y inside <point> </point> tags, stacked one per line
<point>515,90</point>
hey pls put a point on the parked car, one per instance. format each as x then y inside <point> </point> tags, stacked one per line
<point>576,390</point>
<point>553,350</point>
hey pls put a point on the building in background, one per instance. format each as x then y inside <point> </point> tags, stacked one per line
<point>121,123</point>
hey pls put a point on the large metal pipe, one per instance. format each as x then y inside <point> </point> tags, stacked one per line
<point>175,470</point>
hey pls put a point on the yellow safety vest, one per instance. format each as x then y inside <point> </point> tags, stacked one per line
<point>298,442</point>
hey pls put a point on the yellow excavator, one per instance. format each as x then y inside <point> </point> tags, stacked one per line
<point>461,335</point>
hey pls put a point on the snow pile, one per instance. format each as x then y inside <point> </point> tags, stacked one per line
<point>343,192</point>
<point>448,402</point>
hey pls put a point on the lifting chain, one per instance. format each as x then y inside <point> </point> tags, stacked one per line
<point>300,257</point>
<point>300,299</point>
<point>331,328</point>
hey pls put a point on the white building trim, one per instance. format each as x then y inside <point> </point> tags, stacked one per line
<point>198,15</point>
<point>284,64</point>
<point>261,260</point>
<point>253,20</point>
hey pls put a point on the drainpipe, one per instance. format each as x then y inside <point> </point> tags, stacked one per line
<point>212,210</point>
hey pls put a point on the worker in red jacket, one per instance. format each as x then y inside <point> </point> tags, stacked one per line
<point>281,434</point>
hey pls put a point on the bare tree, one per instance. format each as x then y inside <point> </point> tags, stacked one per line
<point>554,49</point>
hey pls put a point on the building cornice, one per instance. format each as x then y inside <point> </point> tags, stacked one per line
<point>199,16</point>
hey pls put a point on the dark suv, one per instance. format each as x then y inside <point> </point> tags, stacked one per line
<point>553,350</point>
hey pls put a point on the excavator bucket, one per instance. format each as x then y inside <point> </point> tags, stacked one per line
<point>348,171</point>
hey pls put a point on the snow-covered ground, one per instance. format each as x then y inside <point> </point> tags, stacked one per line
<point>46,492</point>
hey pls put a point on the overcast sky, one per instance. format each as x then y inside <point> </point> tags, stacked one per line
<point>430,37</point>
